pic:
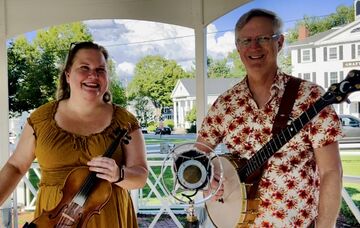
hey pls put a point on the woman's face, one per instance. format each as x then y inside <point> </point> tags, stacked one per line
<point>88,77</point>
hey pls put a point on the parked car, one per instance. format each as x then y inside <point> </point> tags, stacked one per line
<point>163,131</point>
<point>144,130</point>
<point>350,125</point>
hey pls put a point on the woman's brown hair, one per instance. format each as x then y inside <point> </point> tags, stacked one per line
<point>63,89</point>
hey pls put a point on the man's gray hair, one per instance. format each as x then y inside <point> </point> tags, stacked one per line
<point>245,18</point>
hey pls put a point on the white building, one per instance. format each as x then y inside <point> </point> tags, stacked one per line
<point>327,57</point>
<point>184,96</point>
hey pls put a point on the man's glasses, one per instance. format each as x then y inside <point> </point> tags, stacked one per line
<point>260,40</point>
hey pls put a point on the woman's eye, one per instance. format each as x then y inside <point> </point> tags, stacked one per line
<point>101,71</point>
<point>84,68</point>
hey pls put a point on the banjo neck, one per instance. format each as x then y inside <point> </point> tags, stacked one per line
<point>280,139</point>
<point>337,93</point>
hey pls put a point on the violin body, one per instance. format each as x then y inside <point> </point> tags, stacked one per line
<point>70,214</point>
<point>83,195</point>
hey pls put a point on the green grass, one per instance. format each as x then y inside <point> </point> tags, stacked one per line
<point>351,167</point>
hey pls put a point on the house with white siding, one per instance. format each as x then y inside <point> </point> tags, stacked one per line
<point>327,57</point>
<point>184,96</point>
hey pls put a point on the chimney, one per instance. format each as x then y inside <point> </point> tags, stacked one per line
<point>303,32</point>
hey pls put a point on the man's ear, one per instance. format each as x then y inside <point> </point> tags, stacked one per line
<point>280,42</point>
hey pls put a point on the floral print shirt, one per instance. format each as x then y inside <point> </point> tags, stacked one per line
<point>289,188</point>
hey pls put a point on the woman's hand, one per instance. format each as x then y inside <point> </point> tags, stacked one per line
<point>105,168</point>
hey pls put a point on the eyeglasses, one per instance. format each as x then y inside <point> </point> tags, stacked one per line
<point>260,40</point>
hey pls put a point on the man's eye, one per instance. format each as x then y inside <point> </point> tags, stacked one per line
<point>245,41</point>
<point>263,39</point>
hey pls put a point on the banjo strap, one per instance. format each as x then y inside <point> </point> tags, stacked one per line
<point>280,122</point>
<point>286,104</point>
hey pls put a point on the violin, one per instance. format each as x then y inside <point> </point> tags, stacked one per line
<point>83,195</point>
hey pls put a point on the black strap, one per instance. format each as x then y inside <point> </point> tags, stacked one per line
<point>286,104</point>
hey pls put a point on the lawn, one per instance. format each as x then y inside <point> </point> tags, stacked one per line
<point>351,167</point>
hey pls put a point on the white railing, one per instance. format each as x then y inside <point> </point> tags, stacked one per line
<point>162,203</point>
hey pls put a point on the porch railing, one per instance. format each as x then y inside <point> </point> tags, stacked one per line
<point>144,203</point>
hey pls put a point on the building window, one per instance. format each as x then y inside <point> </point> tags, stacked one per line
<point>358,51</point>
<point>333,78</point>
<point>306,55</point>
<point>307,76</point>
<point>333,53</point>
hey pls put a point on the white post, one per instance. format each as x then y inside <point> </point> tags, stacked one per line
<point>200,60</point>
<point>4,110</point>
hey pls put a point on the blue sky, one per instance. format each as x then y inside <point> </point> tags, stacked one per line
<point>288,10</point>
<point>128,41</point>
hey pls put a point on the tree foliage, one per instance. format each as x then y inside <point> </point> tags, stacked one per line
<point>33,68</point>
<point>342,16</point>
<point>191,115</point>
<point>218,68</point>
<point>238,69</point>
<point>155,77</point>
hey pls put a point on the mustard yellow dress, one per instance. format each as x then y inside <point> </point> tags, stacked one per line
<point>58,152</point>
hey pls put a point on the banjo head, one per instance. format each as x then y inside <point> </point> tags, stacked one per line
<point>232,210</point>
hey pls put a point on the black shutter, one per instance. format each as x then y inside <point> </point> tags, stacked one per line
<point>326,79</point>
<point>353,51</point>
<point>314,54</point>
<point>325,54</point>
<point>299,75</point>
<point>299,55</point>
<point>340,52</point>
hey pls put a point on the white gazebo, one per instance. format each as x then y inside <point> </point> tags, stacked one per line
<point>18,17</point>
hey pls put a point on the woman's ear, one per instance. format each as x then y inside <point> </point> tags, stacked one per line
<point>67,76</point>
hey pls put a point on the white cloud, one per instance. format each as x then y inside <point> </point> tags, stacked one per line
<point>125,68</point>
<point>129,40</point>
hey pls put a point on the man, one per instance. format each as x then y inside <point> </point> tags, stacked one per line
<point>301,183</point>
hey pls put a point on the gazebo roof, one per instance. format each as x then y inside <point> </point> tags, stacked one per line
<point>24,16</point>
<point>19,16</point>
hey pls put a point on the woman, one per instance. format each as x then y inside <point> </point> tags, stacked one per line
<point>75,131</point>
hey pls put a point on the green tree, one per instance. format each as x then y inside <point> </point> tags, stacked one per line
<point>342,16</point>
<point>218,68</point>
<point>191,115</point>
<point>284,62</point>
<point>238,69</point>
<point>20,56</point>
<point>34,67</point>
<point>116,88</point>
<point>143,113</point>
<point>155,77</point>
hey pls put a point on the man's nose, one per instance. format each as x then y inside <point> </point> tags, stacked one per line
<point>254,43</point>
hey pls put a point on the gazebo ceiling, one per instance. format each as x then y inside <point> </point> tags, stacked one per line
<point>24,16</point>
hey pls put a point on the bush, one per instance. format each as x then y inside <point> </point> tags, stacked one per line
<point>169,123</point>
<point>192,129</point>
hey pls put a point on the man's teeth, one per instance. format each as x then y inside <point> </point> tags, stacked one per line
<point>256,56</point>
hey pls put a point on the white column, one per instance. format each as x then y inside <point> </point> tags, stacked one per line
<point>4,95</point>
<point>175,115</point>
<point>4,103</point>
<point>200,60</point>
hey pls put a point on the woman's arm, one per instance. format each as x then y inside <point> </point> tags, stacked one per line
<point>18,163</point>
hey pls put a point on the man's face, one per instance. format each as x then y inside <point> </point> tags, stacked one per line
<point>258,45</point>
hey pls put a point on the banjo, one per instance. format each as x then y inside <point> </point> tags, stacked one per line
<point>242,175</point>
